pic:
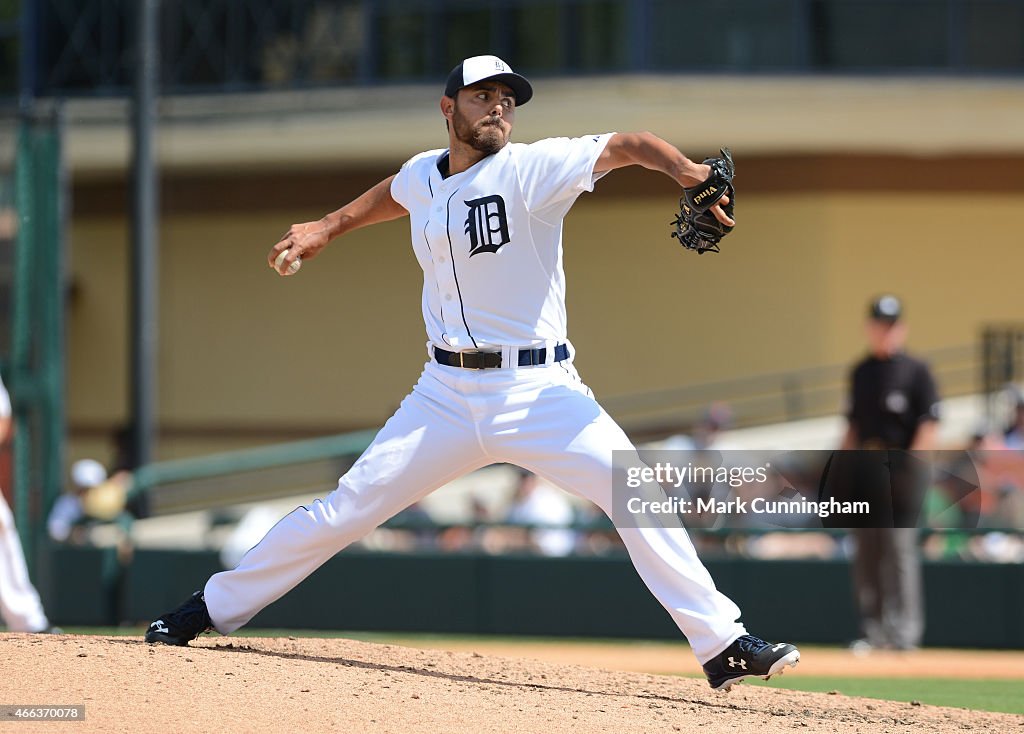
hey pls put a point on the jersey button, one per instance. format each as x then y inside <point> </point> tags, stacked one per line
<point>441,258</point>
<point>439,210</point>
<point>447,296</point>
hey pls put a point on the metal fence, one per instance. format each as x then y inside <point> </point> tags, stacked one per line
<point>770,398</point>
<point>85,47</point>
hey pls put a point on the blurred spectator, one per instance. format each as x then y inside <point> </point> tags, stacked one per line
<point>1000,478</point>
<point>962,483</point>
<point>1013,436</point>
<point>91,496</point>
<point>998,547</point>
<point>20,607</point>
<point>537,503</point>
<point>67,513</point>
<point>412,529</point>
<point>893,407</point>
<point>985,439</point>
<point>979,487</point>
<point>596,534</point>
<point>1001,497</point>
<point>705,434</point>
<point>792,545</point>
<point>477,535</point>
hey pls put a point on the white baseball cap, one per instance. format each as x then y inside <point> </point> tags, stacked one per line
<point>87,473</point>
<point>479,68</point>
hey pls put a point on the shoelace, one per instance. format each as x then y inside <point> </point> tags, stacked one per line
<point>751,644</point>
<point>192,616</point>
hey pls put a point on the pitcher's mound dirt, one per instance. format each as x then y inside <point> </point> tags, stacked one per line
<point>316,685</point>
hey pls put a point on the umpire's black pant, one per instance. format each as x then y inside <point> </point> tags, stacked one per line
<point>887,582</point>
<point>887,562</point>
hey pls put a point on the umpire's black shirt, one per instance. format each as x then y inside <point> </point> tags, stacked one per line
<point>889,399</point>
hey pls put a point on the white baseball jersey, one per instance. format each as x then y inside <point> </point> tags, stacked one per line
<point>489,240</point>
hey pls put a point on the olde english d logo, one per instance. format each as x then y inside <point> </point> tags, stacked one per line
<point>486,224</point>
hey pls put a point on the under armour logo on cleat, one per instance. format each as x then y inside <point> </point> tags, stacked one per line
<point>779,646</point>
<point>159,626</point>
<point>741,663</point>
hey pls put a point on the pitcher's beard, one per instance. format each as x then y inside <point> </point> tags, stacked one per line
<point>484,138</point>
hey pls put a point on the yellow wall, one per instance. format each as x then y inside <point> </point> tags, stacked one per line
<point>339,345</point>
<point>791,286</point>
<point>957,258</point>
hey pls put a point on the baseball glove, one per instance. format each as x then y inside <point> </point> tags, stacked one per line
<point>695,226</point>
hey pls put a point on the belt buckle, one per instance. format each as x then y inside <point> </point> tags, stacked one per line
<point>462,361</point>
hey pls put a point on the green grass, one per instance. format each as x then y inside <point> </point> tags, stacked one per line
<point>986,695</point>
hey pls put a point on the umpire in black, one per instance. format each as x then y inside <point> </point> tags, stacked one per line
<point>893,410</point>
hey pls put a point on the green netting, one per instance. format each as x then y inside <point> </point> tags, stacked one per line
<point>33,354</point>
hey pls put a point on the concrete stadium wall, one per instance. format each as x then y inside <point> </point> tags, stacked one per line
<point>247,357</point>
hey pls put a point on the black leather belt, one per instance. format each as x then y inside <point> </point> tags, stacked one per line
<point>491,360</point>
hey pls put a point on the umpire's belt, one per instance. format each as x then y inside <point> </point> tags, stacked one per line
<point>491,360</point>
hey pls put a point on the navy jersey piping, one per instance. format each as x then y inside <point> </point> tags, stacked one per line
<point>440,301</point>
<point>455,272</point>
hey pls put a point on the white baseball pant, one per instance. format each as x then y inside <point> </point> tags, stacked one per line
<point>19,602</point>
<point>543,419</point>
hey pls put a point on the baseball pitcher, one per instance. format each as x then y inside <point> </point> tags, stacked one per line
<point>499,383</point>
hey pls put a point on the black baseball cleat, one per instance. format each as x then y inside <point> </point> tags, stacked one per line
<point>746,656</point>
<point>185,623</point>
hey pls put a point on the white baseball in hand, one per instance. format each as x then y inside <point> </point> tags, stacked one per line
<point>292,269</point>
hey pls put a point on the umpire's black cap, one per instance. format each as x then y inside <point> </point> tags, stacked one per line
<point>886,308</point>
<point>478,68</point>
